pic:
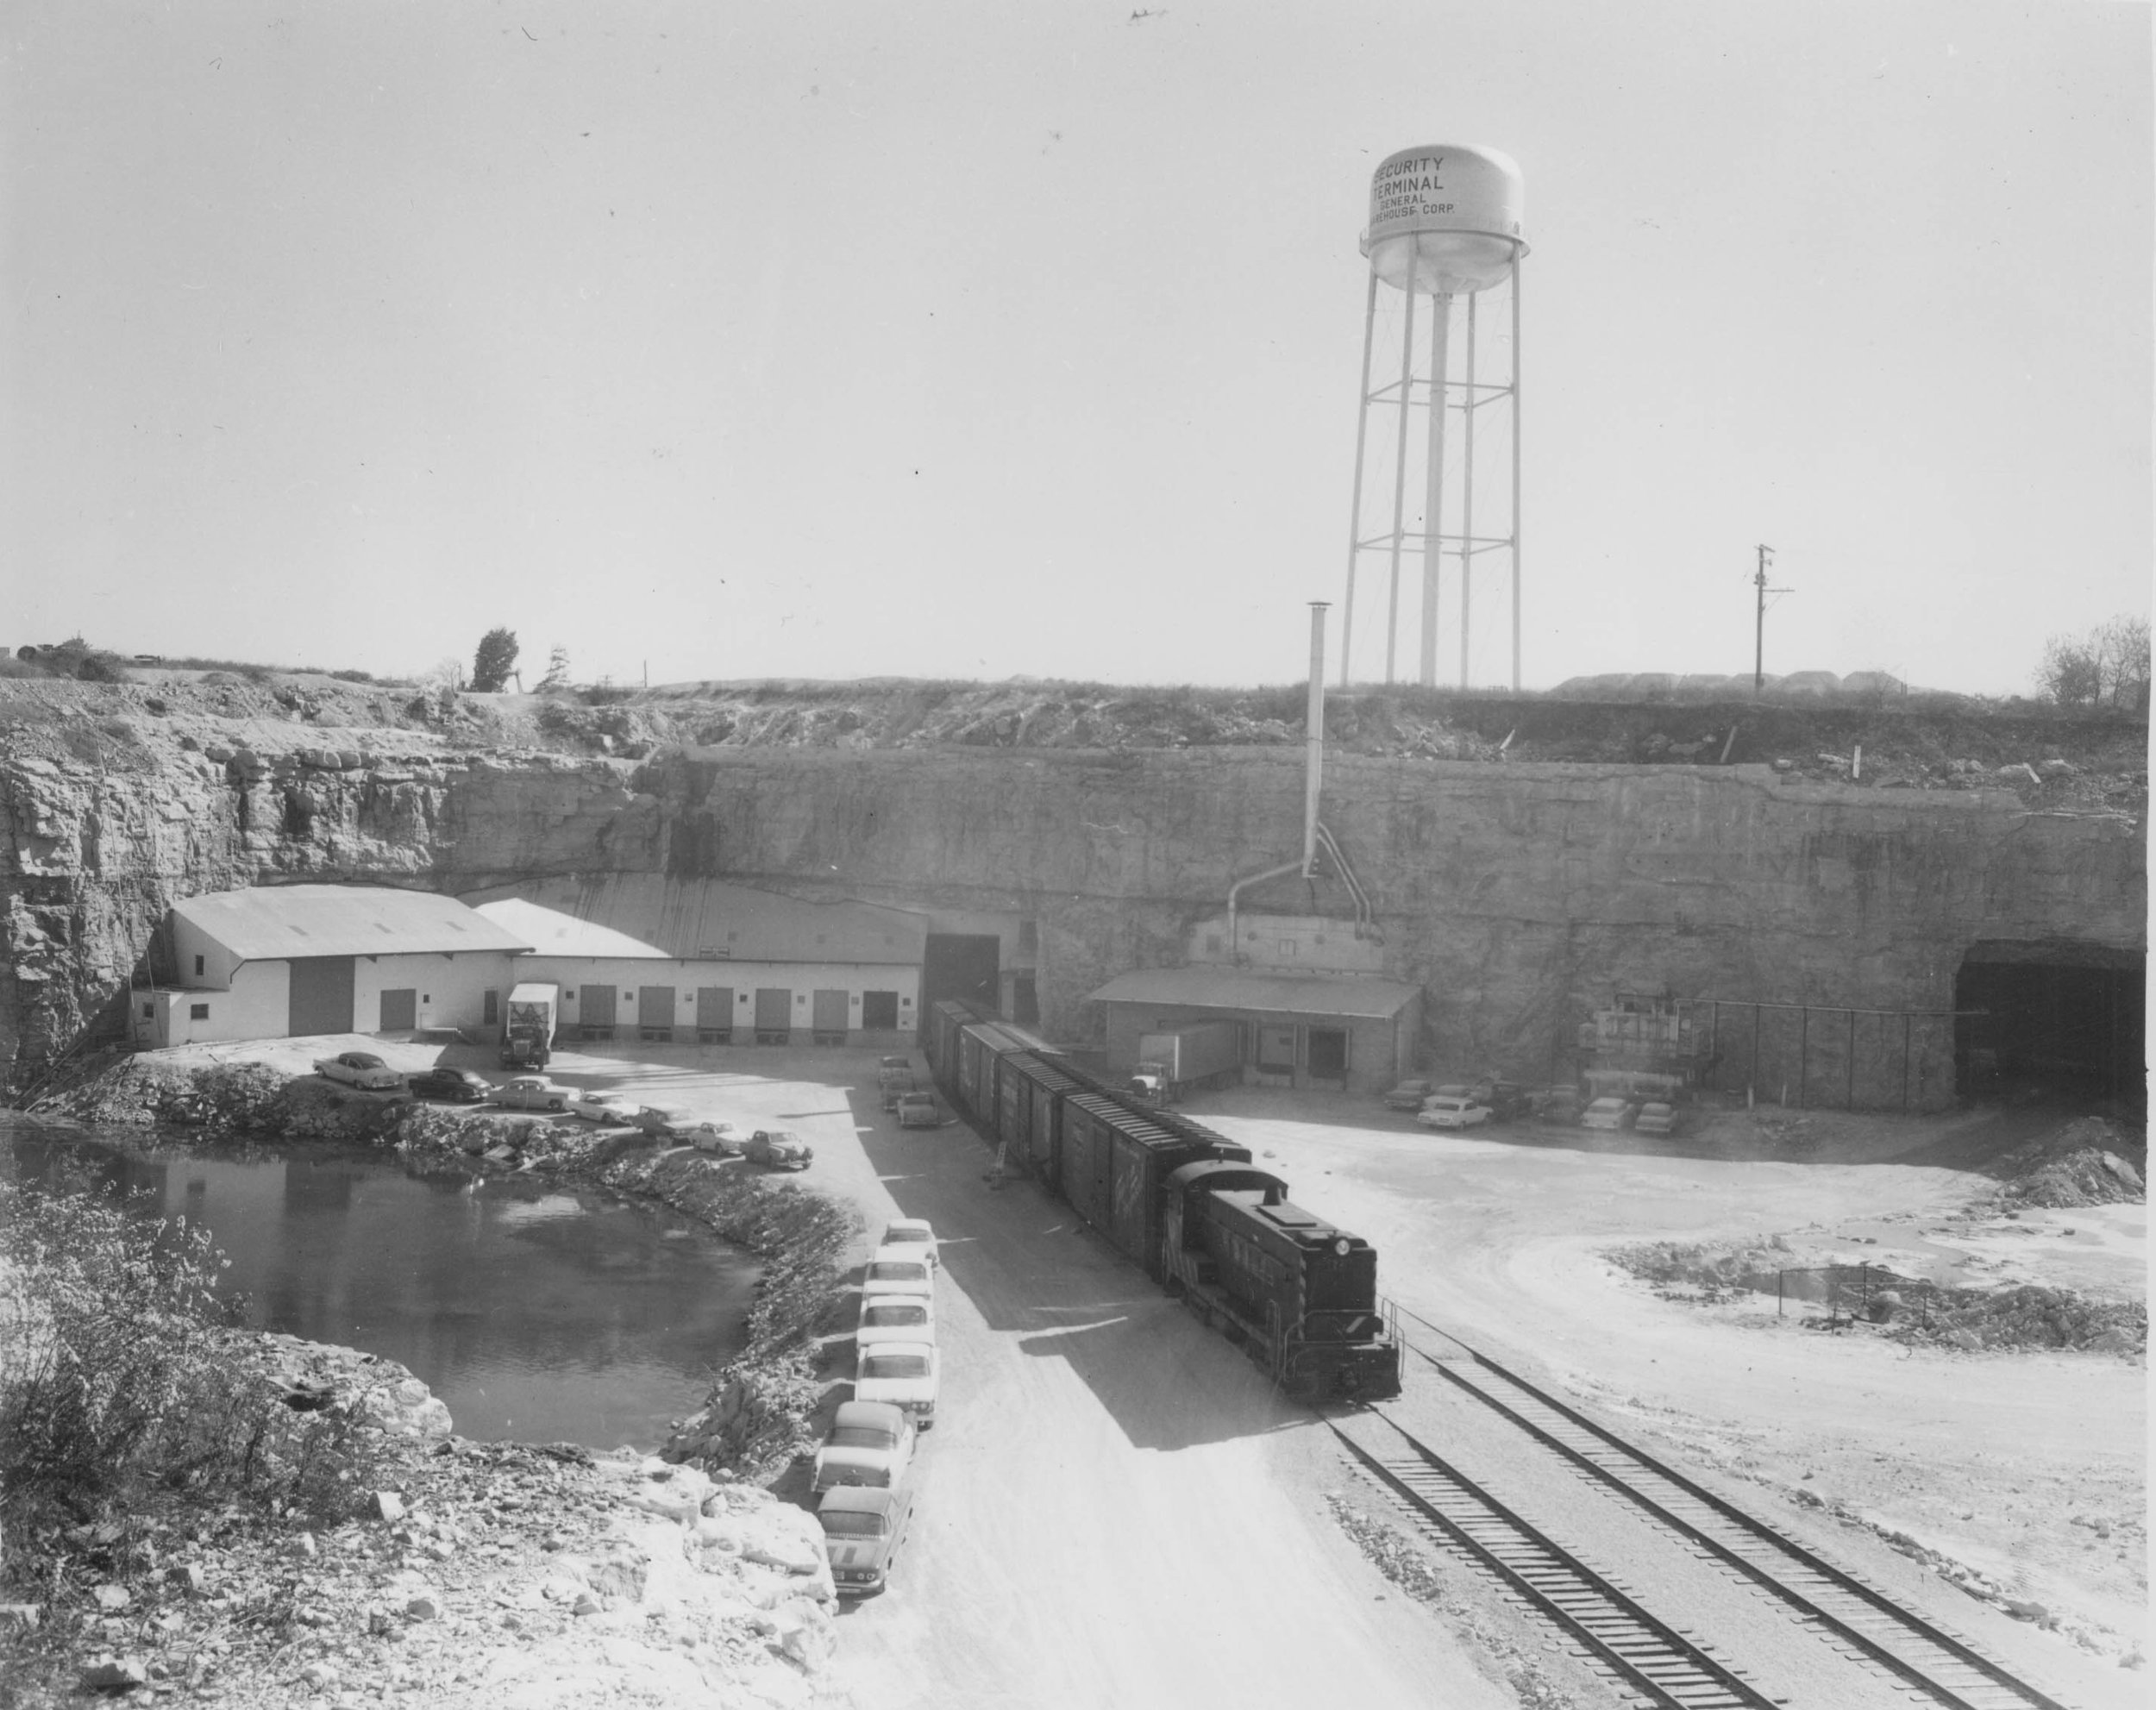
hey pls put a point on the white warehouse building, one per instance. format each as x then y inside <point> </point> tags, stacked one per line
<point>288,960</point>
<point>292,960</point>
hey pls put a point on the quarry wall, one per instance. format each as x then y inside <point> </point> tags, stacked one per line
<point>1520,895</point>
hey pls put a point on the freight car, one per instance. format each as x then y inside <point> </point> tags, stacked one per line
<point>1181,1201</point>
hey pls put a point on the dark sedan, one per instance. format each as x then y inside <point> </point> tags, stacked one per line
<point>452,1085</point>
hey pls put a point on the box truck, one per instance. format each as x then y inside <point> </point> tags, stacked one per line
<point>1202,1053</point>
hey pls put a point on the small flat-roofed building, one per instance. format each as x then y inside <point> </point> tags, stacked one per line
<point>1345,1032</point>
<point>287,960</point>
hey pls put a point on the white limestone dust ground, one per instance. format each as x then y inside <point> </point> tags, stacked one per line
<point>1113,1510</point>
<point>2019,1475</point>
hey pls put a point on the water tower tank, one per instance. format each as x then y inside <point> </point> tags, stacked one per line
<point>1443,218</point>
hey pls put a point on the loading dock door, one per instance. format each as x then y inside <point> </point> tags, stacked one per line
<point>1328,1057</point>
<point>595,1012</point>
<point>774,1015</point>
<point>400,1009</point>
<point>654,1012</point>
<point>320,999</point>
<point>1275,1050</point>
<point>829,1018</point>
<point>714,1014</point>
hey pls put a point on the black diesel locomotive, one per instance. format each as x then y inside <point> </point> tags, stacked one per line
<point>1183,1202</point>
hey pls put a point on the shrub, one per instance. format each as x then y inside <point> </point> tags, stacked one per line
<point>122,1380</point>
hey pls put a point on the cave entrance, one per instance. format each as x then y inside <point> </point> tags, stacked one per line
<point>960,967</point>
<point>2063,1016</point>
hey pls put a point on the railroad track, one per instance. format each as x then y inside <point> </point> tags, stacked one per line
<point>1659,1663</point>
<point>1863,1622</point>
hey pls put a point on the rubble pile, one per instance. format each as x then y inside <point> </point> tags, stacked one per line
<point>2089,1161</point>
<point>487,1576</point>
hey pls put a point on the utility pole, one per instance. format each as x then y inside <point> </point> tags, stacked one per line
<point>1759,621</point>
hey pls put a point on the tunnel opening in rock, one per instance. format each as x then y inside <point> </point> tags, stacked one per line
<point>960,967</point>
<point>2063,1016</point>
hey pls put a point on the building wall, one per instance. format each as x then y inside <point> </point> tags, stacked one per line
<point>255,1003</point>
<point>202,961</point>
<point>630,974</point>
<point>451,988</point>
<point>1377,1046</point>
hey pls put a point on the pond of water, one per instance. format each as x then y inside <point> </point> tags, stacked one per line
<point>535,1312</point>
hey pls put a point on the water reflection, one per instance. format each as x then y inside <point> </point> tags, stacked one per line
<point>534,1312</point>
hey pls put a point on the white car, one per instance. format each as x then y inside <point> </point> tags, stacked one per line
<point>358,1069</point>
<point>901,1373</point>
<point>1448,1109</point>
<point>895,1317</point>
<point>532,1092</point>
<point>684,1127</point>
<point>911,1237</point>
<point>871,1442</point>
<point>595,1105</point>
<point>903,1274</point>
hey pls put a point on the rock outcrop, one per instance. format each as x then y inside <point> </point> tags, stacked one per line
<point>1518,894</point>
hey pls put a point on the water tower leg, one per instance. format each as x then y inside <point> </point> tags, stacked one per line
<point>1467,497</point>
<point>1355,509</point>
<point>1515,470</point>
<point>1399,480</point>
<point>1433,487</point>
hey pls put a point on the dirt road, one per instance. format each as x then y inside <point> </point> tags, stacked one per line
<point>1114,1509</point>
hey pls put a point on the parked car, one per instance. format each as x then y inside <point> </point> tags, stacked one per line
<point>895,1317</point>
<point>917,1110</point>
<point>1555,1104</point>
<point>686,1127</point>
<point>452,1085</point>
<point>912,1238</point>
<point>1608,1113</point>
<point>892,1275</point>
<point>532,1092</point>
<point>871,1442</point>
<point>780,1148</point>
<point>358,1069</point>
<point>1451,1109</point>
<point>1656,1118</point>
<point>1409,1095</point>
<point>596,1106</point>
<point>1506,1098</point>
<point>901,1373</point>
<point>863,1528</point>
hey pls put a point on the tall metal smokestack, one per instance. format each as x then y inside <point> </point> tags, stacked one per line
<point>1314,739</point>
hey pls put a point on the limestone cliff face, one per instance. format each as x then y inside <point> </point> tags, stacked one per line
<point>1517,894</point>
<point>93,851</point>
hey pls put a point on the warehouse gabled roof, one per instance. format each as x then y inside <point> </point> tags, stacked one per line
<point>272,923</point>
<point>551,933</point>
<point>710,918</point>
<point>1235,988</point>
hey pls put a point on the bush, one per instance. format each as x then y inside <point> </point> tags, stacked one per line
<point>121,1381</point>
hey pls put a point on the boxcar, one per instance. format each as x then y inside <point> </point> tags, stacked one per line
<point>1034,1087</point>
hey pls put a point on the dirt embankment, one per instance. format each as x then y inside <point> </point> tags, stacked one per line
<point>2058,759</point>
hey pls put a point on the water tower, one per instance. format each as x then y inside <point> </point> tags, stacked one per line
<point>1445,224</point>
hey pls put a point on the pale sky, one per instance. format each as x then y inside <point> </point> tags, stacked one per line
<point>981,340</point>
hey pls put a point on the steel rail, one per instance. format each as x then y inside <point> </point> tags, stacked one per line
<point>1643,1650</point>
<point>1910,1625</point>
